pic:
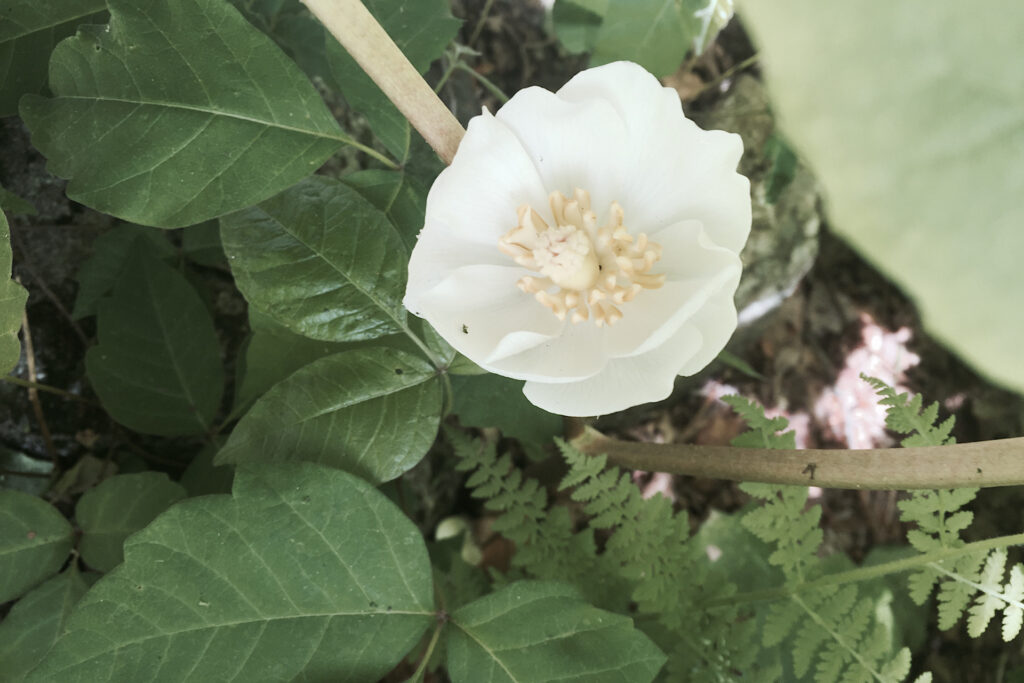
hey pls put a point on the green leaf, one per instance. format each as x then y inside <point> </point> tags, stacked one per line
<point>12,303</point>
<point>12,203</point>
<point>202,478</point>
<point>373,412</point>
<point>28,32</point>
<point>320,259</point>
<point>101,271</point>
<point>914,122</point>
<point>273,353</point>
<point>116,509</point>
<point>157,366</point>
<point>201,244</point>
<point>33,624</point>
<point>488,400</point>
<point>305,573</point>
<point>534,631</point>
<point>177,112</point>
<point>399,194</point>
<point>577,23</point>
<point>656,34</point>
<point>422,30</point>
<point>35,541</point>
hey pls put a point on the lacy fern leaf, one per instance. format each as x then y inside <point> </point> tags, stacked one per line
<point>971,583</point>
<point>831,628</point>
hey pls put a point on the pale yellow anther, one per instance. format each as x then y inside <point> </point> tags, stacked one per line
<point>584,267</point>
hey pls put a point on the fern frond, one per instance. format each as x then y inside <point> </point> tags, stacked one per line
<point>545,542</point>
<point>905,414</point>
<point>831,628</point>
<point>762,431</point>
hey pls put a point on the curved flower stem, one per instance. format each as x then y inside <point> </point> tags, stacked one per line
<point>356,29</point>
<point>985,463</point>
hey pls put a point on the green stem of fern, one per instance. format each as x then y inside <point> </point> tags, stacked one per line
<point>867,573</point>
<point>822,624</point>
<point>984,463</point>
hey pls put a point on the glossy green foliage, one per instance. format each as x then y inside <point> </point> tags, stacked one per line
<point>28,31</point>
<point>489,400</point>
<point>532,631</point>
<point>373,412</point>
<point>421,29</point>
<point>303,573</point>
<point>320,259</point>
<point>35,540</point>
<point>157,367</point>
<point>914,121</point>
<point>31,627</point>
<point>117,508</point>
<point>272,353</point>
<point>12,303</point>
<point>656,34</point>
<point>111,250</point>
<point>177,112</point>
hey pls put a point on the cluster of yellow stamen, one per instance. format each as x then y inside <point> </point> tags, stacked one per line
<point>585,269</point>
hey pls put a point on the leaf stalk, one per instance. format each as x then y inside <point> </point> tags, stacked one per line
<point>983,464</point>
<point>359,33</point>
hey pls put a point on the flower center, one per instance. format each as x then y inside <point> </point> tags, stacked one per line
<point>586,269</point>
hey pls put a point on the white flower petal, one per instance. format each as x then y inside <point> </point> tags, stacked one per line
<point>575,354</point>
<point>624,382</point>
<point>477,197</point>
<point>572,144</point>
<point>697,271</point>
<point>476,307</point>
<point>675,170</point>
<point>716,321</point>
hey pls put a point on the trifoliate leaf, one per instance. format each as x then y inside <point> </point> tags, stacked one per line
<point>157,368</point>
<point>322,260</point>
<point>117,508</point>
<point>373,412</point>
<point>12,303</point>
<point>304,573</point>
<point>35,540</point>
<point>28,32</point>
<point>176,112</point>
<point>534,631</point>
<point>33,624</point>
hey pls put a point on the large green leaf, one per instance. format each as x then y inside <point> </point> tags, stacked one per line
<point>117,508</point>
<point>274,352</point>
<point>35,541</point>
<point>12,303</point>
<point>320,259</point>
<point>33,624</point>
<point>402,194</point>
<point>100,272</point>
<point>421,29</point>
<point>487,400</point>
<point>373,412</point>
<point>157,368</point>
<point>28,32</point>
<point>177,112</point>
<point>305,573</point>
<point>914,121</point>
<point>533,631</point>
<point>653,33</point>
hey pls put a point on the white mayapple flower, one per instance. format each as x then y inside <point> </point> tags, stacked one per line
<point>586,241</point>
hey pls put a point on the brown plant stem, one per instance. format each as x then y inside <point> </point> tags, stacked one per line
<point>359,33</point>
<point>984,463</point>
